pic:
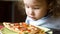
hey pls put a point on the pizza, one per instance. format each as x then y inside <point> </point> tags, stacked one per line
<point>23,28</point>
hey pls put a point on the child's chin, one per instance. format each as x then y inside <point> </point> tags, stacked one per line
<point>35,19</point>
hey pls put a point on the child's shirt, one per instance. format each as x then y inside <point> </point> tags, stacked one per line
<point>48,21</point>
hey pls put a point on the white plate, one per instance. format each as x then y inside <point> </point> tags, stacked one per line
<point>47,30</point>
<point>0,32</point>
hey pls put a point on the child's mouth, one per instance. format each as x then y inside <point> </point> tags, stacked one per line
<point>32,17</point>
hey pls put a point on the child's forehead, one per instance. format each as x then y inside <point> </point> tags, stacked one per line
<point>34,2</point>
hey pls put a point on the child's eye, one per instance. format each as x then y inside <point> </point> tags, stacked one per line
<point>27,6</point>
<point>36,8</point>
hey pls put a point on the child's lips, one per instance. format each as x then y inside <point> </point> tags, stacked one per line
<point>32,17</point>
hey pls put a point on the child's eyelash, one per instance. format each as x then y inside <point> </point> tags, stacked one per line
<point>33,7</point>
<point>36,8</point>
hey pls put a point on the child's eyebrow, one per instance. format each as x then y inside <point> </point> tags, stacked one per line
<point>37,5</point>
<point>33,5</point>
<point>25,4</point>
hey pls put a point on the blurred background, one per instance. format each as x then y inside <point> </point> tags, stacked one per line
<point>5,11</point>
<point>12,11</point>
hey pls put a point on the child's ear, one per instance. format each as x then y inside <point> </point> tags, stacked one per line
<point>50,5</point>
<point>50,8</point>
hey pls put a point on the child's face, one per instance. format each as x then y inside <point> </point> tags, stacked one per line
<point>35,9</point>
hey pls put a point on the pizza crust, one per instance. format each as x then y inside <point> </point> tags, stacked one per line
<point>7,26</point>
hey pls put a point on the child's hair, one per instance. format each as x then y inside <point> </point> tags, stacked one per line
<point>54,7</point>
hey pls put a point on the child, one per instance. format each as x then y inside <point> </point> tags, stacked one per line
<point>42,13</point>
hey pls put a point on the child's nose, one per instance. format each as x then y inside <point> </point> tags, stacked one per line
<point>31,12</point>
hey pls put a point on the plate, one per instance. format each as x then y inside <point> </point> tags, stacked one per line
<point>7,31</point>
<point>46,30</point>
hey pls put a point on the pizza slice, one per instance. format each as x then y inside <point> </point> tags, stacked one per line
<point>23,28</point>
